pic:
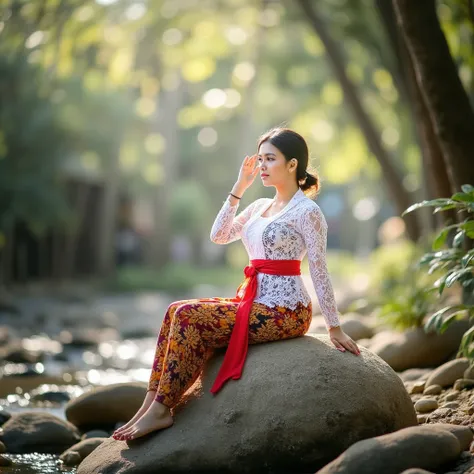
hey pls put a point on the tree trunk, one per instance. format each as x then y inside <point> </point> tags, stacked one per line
<point>435,177</point>
<point>391,175</point>
<point>446,100</point>
<point>167,124</point>
<point>108,213</point>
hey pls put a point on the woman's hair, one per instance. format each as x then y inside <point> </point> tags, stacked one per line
<point>293,145</point>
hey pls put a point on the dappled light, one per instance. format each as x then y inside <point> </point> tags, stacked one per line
<point>185,181</point>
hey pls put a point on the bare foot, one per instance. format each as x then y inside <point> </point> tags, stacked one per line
<point>149,397</point>
<point>157,417</point>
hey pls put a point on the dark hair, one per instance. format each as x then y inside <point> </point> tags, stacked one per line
<point>293,145</point>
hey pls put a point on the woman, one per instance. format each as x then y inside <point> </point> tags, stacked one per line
<point>273,302</point>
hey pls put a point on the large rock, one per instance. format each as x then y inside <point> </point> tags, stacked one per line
<point>448,373</point>
<point>38,432</point>
<point>105,406</point>
<point>298,405</point>
<point>426,447</point>
<point>415,348</point>
<point>356,327</point>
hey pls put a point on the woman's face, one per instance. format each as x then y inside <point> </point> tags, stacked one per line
<point>274,169</point>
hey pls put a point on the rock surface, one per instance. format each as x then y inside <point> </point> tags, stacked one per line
<point>105,406</point>
<point>83,449</point>
<point>415,348</point>
<point>426,447</point>
<point>38,432</point>
<point>446,374</point>
<point>248,426</point>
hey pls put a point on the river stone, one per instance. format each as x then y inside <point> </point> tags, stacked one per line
<point>463,434</point>
<point>103,407</point>
<point>446,374</point>
<point>425,405</point>
<point>415,348</point>
<point>426,447</point>
<point>4,462</point>
<point>83,449</point>
<point>299,404</point>
<point>460,384</point>
<point>417,470</point>
<point>432,390</point>
<point>39,432</point>
<point>356,328</point>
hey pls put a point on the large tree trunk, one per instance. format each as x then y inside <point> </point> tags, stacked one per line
<point>433,165</point>
<point>390,173</point>
<point>447,102</point>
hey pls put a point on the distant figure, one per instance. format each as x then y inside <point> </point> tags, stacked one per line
<point>271,304</point>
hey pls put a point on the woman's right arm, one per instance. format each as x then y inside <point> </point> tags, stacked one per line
<point>227,228</point>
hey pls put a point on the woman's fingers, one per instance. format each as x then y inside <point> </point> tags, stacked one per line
<point>349,345</point>
<point>338,345</point>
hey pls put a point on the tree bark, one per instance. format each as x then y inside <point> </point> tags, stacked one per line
<point>390,173</point>
<point>446,100</point>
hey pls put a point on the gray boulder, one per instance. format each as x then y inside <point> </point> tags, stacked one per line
<point>446,374</point>
<point>426,447</point>
<point>298,405</point>
<point>416,348</point>
<point>38,432</point>
<point>105,406</point>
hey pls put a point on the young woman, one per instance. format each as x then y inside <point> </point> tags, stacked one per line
<point>271,304</point>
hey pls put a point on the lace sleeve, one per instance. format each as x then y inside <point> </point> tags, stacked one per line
<point>226,227</point>
<point>314,229</point>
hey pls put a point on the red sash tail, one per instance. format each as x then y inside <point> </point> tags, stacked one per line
<point>236,352</point>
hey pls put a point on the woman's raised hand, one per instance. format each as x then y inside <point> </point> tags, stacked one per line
<point>248,171</point>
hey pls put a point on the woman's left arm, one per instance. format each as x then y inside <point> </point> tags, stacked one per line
<point>314,230</point>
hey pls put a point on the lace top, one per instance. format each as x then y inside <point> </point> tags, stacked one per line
<point>299,228</point>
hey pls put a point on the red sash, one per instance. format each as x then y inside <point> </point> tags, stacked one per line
<point>236,353</point>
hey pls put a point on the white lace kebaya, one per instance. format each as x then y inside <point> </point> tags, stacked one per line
<point>299,228</point>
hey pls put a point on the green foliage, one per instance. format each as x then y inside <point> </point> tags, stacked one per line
<point>403,291</point>
<point>33,146</point>
<point>455,263</point>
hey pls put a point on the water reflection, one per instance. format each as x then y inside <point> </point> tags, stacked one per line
<point>35,463</point>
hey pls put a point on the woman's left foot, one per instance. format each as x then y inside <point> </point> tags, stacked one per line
<point>157,417</point>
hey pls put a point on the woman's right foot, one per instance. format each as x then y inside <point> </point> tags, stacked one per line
<point>149,398</point>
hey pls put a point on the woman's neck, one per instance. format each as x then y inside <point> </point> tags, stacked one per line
<point>284,195</point>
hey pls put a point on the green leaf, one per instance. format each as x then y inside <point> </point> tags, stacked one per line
<point>467,188</point>
<point>468,227</point>
<point>458,239</point>
<point>456,275</point>
<point>440,239</point>
<point>431,203</point>
<point>466,260</point>
<point>463,197</point>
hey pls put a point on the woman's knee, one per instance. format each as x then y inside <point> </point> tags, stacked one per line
<point>182,310</point>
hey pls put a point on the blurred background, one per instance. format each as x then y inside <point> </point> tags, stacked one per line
<point>123,125</point>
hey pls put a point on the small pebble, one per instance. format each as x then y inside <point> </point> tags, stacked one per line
<point>426,405</point>
<point>417,387</point>
<point>422,418</point>
<point>451,396</point>
<point>433,390</point>
<point>460,384</point>
<point>452,405</point>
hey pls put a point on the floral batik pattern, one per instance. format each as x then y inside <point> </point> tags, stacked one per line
<point>192,329</point>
